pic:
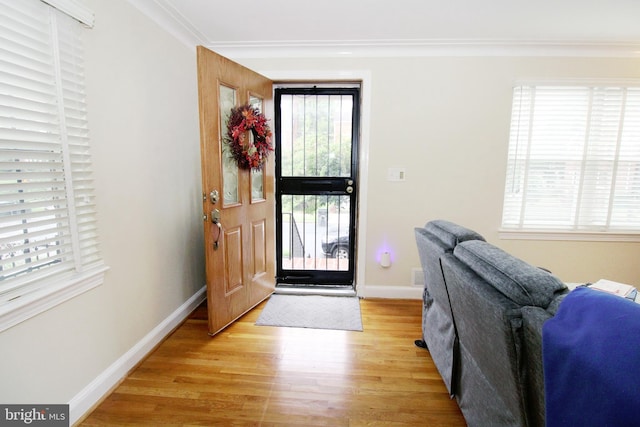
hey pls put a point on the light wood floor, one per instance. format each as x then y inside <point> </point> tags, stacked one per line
<point>252,375</point>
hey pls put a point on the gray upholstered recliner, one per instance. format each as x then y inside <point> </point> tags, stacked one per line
<point>438,330</point>
<point>489,289</point>
<point>482,319</point>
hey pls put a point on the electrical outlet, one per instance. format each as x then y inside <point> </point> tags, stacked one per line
<point>417,277</point>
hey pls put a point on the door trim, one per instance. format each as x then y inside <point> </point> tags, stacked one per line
<point>365,79</point>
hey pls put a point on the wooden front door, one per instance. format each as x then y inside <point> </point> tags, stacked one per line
<point>238,204</point>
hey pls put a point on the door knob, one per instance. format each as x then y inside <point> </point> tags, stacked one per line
<point>215,219</point>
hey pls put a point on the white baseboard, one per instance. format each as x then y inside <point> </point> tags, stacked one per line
<point>103,383</point>
<point>392,292</point>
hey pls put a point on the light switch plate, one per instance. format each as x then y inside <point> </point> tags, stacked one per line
<point>396,174</point>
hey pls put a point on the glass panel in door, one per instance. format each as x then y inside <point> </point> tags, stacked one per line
<point>257,176</point>
<point>229,168</point>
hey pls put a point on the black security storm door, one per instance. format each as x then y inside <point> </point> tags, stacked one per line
<point>316,185</point>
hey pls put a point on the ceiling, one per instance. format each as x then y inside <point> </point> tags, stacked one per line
<point>356,27</point>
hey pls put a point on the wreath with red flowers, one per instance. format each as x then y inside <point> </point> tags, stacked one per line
<point>248,154</point>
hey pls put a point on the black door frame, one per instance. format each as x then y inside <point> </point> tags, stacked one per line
<point>333,186</point>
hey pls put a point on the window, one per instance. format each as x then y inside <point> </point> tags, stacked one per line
<point>574,161</point>
<point>48,240</point>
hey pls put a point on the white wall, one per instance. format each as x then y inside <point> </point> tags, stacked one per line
<point>143,118</point>
<point>446,120</point>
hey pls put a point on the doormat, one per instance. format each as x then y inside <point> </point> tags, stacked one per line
<point>312,311</point>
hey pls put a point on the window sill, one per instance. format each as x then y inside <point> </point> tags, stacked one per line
<point>30,305</point>
<point>568,235</point>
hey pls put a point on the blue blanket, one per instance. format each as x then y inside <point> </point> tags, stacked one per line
<point>591,356</point>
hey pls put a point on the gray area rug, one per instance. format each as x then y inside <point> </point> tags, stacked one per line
<point>312,311</point>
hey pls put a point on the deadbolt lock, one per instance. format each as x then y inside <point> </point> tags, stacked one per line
<point>214,196</point>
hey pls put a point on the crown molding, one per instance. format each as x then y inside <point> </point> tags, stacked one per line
<point>421,48</point>
<point>167,17</point>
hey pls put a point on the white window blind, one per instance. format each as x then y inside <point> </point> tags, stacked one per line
<point>574,160</point>
<point>48,232</point>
